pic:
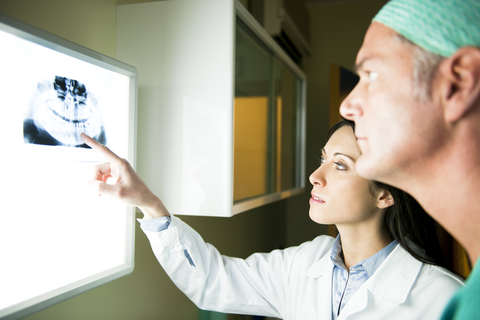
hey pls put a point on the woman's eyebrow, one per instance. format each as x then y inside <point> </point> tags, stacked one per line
<point>338,154</point>
<point>343,154</point>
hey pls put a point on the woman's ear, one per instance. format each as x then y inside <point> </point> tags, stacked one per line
<point>458,79</point>
<point>385,199</point>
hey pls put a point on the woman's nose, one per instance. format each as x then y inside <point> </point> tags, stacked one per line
<point>317,178</point>
<point>352,106</point>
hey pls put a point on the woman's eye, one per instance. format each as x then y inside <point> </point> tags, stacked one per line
<point>340,166</point>
<point>372,75</point>
<point>320,160</point>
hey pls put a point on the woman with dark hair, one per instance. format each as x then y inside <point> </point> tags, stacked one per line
<point>382,265</point>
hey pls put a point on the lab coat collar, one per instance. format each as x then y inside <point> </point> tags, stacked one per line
<point>322,267</point>
<point>392,281</point>
<point>398,272</point>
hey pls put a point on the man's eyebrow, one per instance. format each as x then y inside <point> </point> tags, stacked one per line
<point>359,66</point>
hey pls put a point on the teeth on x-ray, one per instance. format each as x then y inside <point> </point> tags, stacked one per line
<point>65,108</point>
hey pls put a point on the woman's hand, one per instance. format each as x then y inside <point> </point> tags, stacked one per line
<point>124,183</point>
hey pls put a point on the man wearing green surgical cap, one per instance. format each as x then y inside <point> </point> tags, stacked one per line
<point>417,114</point>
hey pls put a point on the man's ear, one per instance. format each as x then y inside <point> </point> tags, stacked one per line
<point>459,81</point>
<point>385,199</point>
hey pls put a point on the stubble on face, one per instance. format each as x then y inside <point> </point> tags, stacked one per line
<point>393,127</point>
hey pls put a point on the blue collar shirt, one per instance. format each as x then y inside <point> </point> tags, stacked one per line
<point>345,283</point>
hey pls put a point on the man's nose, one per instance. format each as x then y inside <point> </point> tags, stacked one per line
<point>352,106</point>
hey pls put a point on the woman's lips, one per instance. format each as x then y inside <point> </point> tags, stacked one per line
<point>316,199</point>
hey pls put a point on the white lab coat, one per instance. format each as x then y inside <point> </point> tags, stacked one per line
<point>296,283</point>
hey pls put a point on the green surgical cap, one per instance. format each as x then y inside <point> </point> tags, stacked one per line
<point>438,26</point>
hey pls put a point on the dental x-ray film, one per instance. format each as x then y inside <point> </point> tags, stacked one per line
<point>60,110</point>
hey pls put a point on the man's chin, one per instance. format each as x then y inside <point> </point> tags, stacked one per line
<point>368,167</point>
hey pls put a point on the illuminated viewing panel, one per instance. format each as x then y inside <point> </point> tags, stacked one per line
<point>57,239</point>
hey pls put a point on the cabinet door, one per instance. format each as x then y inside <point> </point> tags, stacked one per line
<point>288,99</point>
<point>253,117</point>
<point>183,51</point>
<point>267,121</point>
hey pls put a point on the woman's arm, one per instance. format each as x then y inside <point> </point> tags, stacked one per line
<point>254,286</point>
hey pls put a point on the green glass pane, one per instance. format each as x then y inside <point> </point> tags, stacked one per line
<point>253,143</point>
<point>286,110</point>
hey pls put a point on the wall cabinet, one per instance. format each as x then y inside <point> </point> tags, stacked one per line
<point>221,108</point>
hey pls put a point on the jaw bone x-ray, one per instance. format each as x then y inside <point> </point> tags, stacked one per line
<point>61,110</point>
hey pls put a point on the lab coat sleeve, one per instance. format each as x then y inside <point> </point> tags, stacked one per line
<point>256,285</point>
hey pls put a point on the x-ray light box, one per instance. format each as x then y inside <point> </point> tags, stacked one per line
<point>57,239</point>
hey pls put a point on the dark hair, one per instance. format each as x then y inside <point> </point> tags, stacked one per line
<point>406,221</point>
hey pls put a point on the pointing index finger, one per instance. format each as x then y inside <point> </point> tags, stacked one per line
<point>100,148</point>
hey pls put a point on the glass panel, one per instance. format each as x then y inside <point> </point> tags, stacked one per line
<point>286,110</point>
<point>267,101</point>
<point>252,144</point>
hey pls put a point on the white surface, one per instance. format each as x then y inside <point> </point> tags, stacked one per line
<point>184,53</point>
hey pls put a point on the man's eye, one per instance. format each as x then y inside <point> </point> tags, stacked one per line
<point>372,75</point>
